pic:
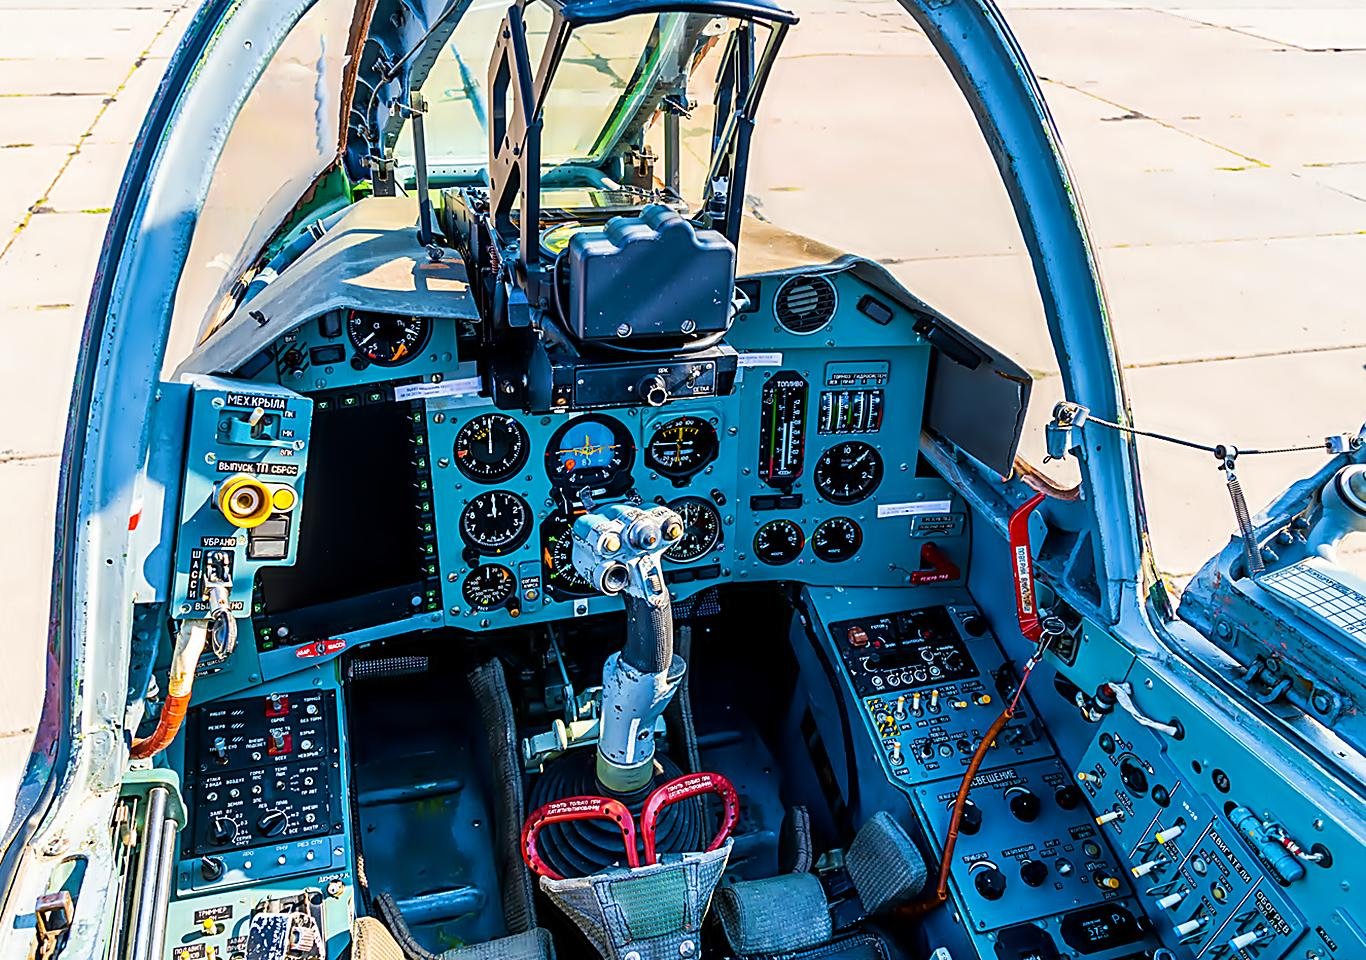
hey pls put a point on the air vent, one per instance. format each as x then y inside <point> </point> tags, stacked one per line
<point>805,304</point>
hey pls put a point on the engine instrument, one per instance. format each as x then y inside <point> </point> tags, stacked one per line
<point>848,472</point>
<point>680,447</point>
<point>495,522</point>
<point>488,586</point>
<point>701,529</point>
<point>385,339</point>
<point>593,451</point>
<point>782,429</point>
<point>836,539</point>
<point>778,542</point>
<point>557,558</point>
<point>491,448</point>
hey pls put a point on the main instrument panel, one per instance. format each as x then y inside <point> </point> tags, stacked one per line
<point>459,513</point>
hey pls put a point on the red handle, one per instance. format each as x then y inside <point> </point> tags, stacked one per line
<point>689,785</point>
<point>935,566</point>
<point>1026,602</point>
<point>577,808</point>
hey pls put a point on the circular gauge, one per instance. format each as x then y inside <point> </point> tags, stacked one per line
<point>491,448</point>
<point>836,539</point>
<point>488,586</point>
<point>590,451</point>
<point>848,472</point>
<point>682,446</point>
<point>701,529</point>
<point>387,339</point>
<point>778,542</point>
<point>557,558</point>
<point>495,522</point>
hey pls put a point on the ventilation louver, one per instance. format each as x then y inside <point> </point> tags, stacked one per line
<point>805,304</point>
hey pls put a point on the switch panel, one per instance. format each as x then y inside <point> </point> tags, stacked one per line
<point>1027,847</point>
<point>245,459</point>
<point>267,775</point>
<point>931,682</point>
<point>1208,895</point>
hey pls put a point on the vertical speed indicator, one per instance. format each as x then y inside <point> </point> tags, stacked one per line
<point>782,428</point>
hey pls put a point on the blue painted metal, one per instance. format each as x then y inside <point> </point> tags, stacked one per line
<point>81,746</point>
<point>980,51</point>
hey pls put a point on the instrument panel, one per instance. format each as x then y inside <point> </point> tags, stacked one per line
<point>788,477</point>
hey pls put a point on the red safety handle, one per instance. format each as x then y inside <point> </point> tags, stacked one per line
<point>577,808</point>
<point>1026,601</point>
<point>689,785</point>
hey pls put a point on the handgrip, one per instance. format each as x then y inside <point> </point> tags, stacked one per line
<point>1026,599</point>
<point>689,785</point>
<point>576,808</point>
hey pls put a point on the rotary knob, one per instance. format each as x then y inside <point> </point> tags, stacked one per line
<point>1034,872</point>
<point>990,883</point>
<point>1025,806</point>
<point>221,831</point>
<point>653,390</point>
<point>971,821</point>
<point>1069,797</point>
<point>272,823</point>
<point>211,868</point>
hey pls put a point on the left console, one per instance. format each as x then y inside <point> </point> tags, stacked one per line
<point>266,796</point>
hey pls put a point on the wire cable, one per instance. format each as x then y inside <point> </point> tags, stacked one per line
<point>1220,450</point>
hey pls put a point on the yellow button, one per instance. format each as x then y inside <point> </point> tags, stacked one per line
<point>283,498</point>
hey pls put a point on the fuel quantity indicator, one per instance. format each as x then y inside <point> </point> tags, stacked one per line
<point>782,429</point>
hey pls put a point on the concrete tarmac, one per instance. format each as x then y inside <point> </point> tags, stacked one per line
<point>1219,147</point>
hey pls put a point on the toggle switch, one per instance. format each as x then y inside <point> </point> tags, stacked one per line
<point>1146,867</point>
<point>1248,939</point>
<point>1106,881</point>
<point>895,753</point>
<point>916,706</point>
<point>934,700</point>
<point>1189,927</point>
<point>1108,816</point>
<point>1171,900</point>
<point>1170,834</point>
<point>899,711</point>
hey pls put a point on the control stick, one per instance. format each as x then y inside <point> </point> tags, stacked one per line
<point>617,548</point>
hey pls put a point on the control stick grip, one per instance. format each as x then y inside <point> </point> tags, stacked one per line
<point>649,634</point>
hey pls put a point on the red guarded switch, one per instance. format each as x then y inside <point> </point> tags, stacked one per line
<point>277,705</point>
<point>935,566</point>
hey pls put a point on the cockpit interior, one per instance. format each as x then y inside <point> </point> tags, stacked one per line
<point>524,566</point>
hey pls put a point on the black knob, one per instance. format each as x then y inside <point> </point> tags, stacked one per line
<point>211,868</point>
<point>272,823</point>
<point>1034,872</point>
<point>221,830</point>
<point>974,625</point>
<point>1069,797</point>
<point>972,819</point>
<point>990,883</point>
<point>1025,805</point>
<point>653,390</point>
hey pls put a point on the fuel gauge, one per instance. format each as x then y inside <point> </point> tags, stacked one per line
<point>782,429</point>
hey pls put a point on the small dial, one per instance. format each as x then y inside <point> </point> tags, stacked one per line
<point>836,539</point>
<point>701,529</point>
<point>592,451</point>
<point>680,447</point>
<point>491,448</point>
<point>848,472</point>
<point>557,558</point>
<point>488,586</point>
<point>495,522</point>
<point>778,542</point>
<point>387,339</point>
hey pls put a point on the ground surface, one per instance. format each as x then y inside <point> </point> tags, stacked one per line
<point>1219,145</point>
